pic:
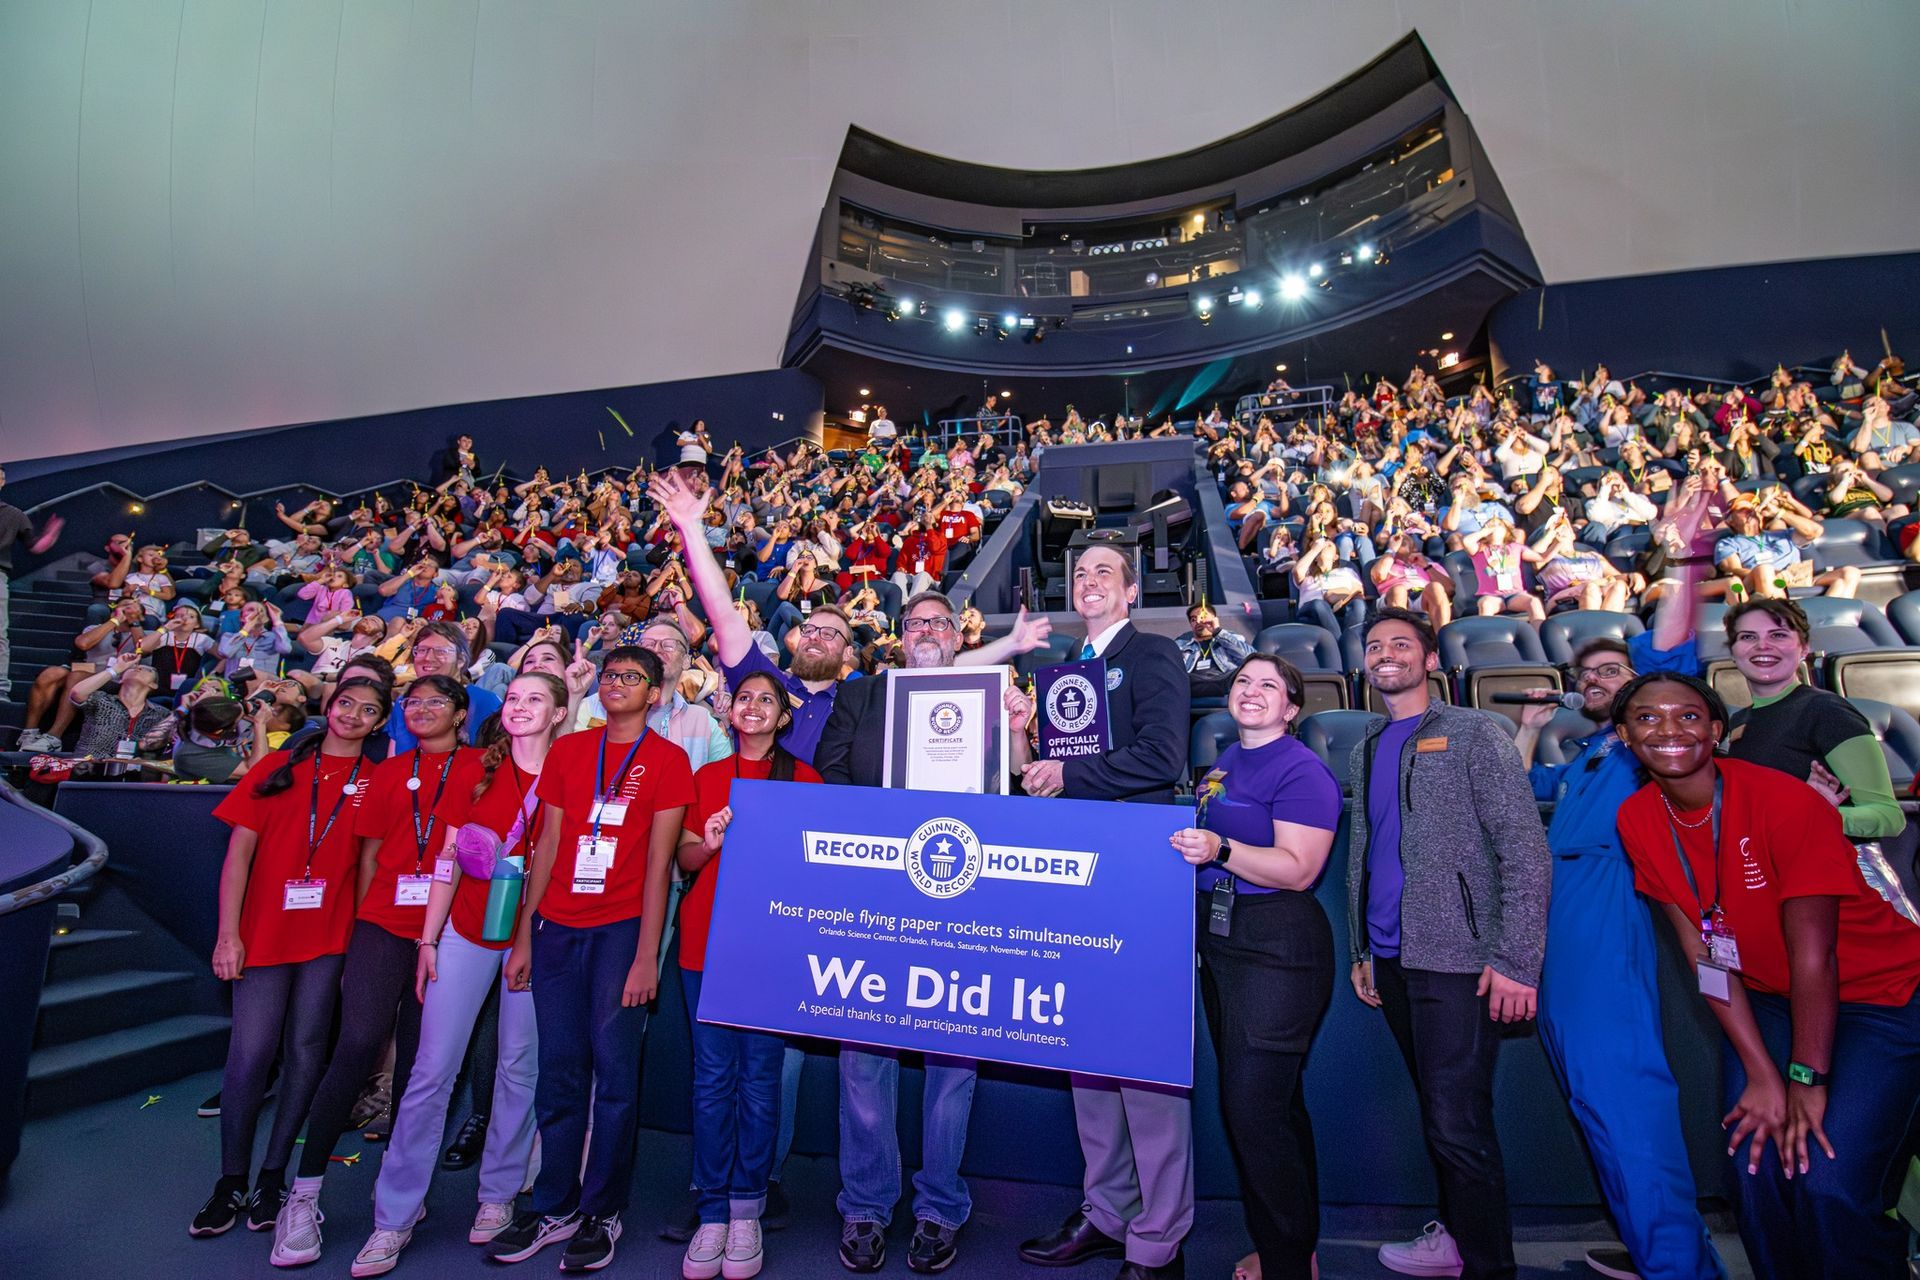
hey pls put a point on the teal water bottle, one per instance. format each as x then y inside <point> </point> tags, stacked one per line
<point>503,898</point>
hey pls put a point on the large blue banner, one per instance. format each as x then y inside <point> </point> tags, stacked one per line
<point>1049,933</point>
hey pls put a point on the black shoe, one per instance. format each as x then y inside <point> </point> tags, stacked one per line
<point>269,1193</point>
<point>1175,1270</point>
<point>1076,1241</point>
<point>467,1144</point>
<point>528,1234</point>
<point>774,1215</point>
<point>681,1227</point>
<point>932,1248</point>
<point>210,1108</point>
<point>863,1246</point>
<point>592,1245</point>
<point>222,1209</point>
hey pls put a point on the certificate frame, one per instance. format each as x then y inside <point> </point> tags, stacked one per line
<point>946,730</point>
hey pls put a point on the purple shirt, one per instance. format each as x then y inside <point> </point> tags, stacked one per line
<point>1246,792</point>
<point>810,710</point>
<point>1385,876</point>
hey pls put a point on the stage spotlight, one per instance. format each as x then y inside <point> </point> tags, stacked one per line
<point>1292,287</point>
<point>1314,270</point>
<point>906,307</point>
<point>1253,300</point>
<point>1204,305</point>
<point>1009,321</point>
<point>954,321</point>
<point>1364,253</point>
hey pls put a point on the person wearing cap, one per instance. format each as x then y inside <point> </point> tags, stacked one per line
<point>1765,562</point>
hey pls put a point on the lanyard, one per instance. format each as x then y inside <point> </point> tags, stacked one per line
<point>527,823</point>
<point>313,808</point>
<point>601,790</point>
<point>422,836</point>
<point>1707,910</point>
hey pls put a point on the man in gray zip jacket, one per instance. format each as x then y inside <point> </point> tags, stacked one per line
<point>1447,882</point>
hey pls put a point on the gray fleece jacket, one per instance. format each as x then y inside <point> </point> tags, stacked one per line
<point>1472,848</point>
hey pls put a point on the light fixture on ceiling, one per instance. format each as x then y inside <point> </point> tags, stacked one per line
<point>865,392</point>
<point>1280,368</point>
<point>1446,337</point>
<point>1292,287</point>
<point>954,320</point>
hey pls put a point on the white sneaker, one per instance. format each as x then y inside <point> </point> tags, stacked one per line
<point>296,1231</point>
<point>38,740</point>
<point>705,1252</point>
<point>1433,1254</point>
<point>744,1252</point>
<point>489,1222</point>
<point>381,1252</point>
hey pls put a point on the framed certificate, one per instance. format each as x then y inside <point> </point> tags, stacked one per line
<point>946,730</point>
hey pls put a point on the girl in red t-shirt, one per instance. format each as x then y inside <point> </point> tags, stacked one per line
<point>399,835</point>
<point>1811,973</point>
<point>458,965</point>
<point>287,893</point>
<point>736,1074</point>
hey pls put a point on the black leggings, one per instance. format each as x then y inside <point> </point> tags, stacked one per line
<point>377,1005</point>
<point>1266,985</point>
<point>283,1007</point>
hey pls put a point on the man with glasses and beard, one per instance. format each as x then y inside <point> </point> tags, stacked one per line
<point>851,753</point>
<point>1601,1022</point>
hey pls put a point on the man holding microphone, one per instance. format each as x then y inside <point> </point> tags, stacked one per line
<point>1138,1141</point>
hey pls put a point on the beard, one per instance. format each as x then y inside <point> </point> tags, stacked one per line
<point>928,653</point>
<point>807,667</point>
<point>1411,678</point>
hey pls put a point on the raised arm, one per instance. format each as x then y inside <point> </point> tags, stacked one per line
<point>688,510</point>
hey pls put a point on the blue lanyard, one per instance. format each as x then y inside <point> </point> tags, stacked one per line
<point>1707,910</point>
<point>603,792</point>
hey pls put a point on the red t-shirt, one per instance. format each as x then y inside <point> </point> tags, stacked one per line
<point>497,809</point>
<point>712,785</point>
<point>1779,839</point>
<point>923,552</point>
<point>271,933</point>
<point>658,778</point>
<point>956,526</point>
<point>389,816</point>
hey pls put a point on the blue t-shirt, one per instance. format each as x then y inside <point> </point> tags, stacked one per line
<point>481,703</point>
<point>1385,876</point>
<point>1246,792</point>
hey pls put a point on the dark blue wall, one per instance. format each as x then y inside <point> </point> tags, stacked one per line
<point>1733,322</point>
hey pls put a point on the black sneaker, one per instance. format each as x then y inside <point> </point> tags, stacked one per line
<point>774,1215</point>
<point>467,1145</point>
<point>210,1108</point>
<point>681,1227</point>
<point>932,1248</point>
<point>863,1246</point>
<point>269,1193</point>
<point>528,1234</point>
<point>222,1209</point>
<point>592,1245</point>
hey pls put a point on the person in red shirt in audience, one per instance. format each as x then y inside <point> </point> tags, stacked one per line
<point>287,895</point>
<point>923,557</point>
<point>736,1074</point>
<point>615,797</point>
<point>459,963</point>
<point>865,557</point>
<point>399,834</point>
<point>1810,972</point>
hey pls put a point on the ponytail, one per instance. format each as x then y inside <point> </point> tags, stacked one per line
<point>308,747</point>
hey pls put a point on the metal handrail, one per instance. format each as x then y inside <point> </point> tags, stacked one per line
<point>53,886</point>
<point>1316,399</point>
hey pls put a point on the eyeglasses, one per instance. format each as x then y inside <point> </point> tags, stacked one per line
<point>938,626</point>
<point>432,650</point>
<point>1605,671</point>
<point>425,704</point>
<point>657,643</point>
<point>812,629</point>
<point>627,678</point>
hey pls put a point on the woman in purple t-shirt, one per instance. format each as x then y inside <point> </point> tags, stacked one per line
<point>1265,819</point>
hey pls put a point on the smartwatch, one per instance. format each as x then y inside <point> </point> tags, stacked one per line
<point>1226,847</point>
<point>1801,1073</point>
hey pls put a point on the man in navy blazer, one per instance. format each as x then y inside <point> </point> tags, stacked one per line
<point>1138,1142</point>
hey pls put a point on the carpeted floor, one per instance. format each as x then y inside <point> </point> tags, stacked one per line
<point>108,1191</point>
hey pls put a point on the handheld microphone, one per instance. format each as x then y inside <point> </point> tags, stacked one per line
<point>1540,698</point>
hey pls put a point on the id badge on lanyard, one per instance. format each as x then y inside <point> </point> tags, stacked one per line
<point>412,890</point>
<point>593,852</point>
<point>309,893</point>
<point>1715,970</point>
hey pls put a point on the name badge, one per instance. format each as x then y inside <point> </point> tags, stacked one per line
<point>411,891</point>
<point>1430,744</point>
<point>443,870</point>
<point>1724,950</point>
<point>177,679</point>
<point>592,860</point>
<point>608,813</point>
<point>304,895</point>
<point>1714,981</point>
<point>919,566</point>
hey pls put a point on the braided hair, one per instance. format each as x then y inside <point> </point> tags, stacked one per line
<point>494,737</point>
<point>309,747</point>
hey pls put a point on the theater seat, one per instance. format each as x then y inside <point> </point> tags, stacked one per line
<point>1211,734</point>
<point>1481,683</point>
<point>1563,634</point>
<point>1881,674</point>
<point>1624,548</point>
<point>1904,613</point>
<point>1438,689</point>
<point>1846,626</point>
<point>1882,583</point>
<point>1710,628</point>
<point>1323,691</point>
<point>1726,680</point>
<point>1904,480</point>
<point>1059,648</point>
<point>1466,643</point>
<point>1306,646</point>
<point>1899,735</point>
<point>1559,740</point>
<point>1843,541</point>
<point>1331,735</point>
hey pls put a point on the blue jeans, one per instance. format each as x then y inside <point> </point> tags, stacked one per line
<point>736,1113</point>
<point>870,1140</point>
<point>589,1056</point>
<point>1831,1220</point>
